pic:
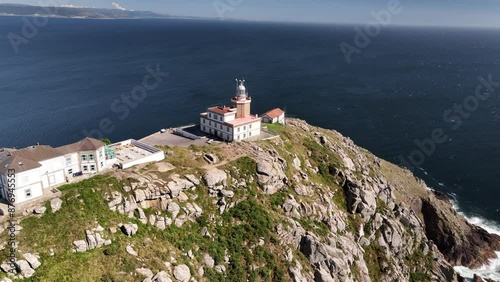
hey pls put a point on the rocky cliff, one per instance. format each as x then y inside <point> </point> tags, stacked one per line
<point>309,205</point>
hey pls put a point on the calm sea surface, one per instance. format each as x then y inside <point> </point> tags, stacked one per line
<point>66,79</point>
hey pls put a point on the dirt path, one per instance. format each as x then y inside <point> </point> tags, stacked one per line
<point>230,152</point>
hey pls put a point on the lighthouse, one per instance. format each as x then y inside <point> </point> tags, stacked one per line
<point>241,101</point>
<point>232,123</point>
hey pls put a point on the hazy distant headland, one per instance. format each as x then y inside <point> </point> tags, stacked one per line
<point>74,12</point>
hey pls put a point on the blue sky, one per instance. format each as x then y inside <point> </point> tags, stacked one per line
<point>479,13</point>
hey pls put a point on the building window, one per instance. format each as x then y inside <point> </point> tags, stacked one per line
<point>249,133</point>
<point>85,168</point>
<point>239,129</point>
<point>100,154</point>
<point>220,126</point>
<point>102,164</point>
<point>92,167</point>
<point>84,157</point>
<point>220,117</point>
<point>91,157</point>
<point>204,129</point>
<point>245,127</point>
<point>27,192</point>
<point>210,123</point>
<point>203,121</point>
<point>68,160</point>
<point>250,126</point>
<point>70,171</point>
<point>209,115</point>
<point>244,136</point>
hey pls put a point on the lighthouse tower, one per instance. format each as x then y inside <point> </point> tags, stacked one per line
<point>241,100</point>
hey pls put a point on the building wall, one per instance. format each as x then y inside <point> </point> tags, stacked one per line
<point>86,162</point>
<point>72,164</point>
<point>52,172</point>
<point>230,117</point>
<point>25,181</point>
<point>242,109</point>
<point>219,129</point>
<point>221,118</point>
<point>267,119</point>
<point>246,131</point>
<point>21,193</point>
<point>3,185</point>
<point>156,157</point>
<point>101,159</point>
<point>227,133</point>
<point>279,119</point>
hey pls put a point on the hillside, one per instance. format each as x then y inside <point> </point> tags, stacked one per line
<point>72,12</point>
<point>307,206</point>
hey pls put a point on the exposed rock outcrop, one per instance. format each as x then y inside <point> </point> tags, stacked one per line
<point>308,206</point>
<point>459,241</point>
<point>270,172</point>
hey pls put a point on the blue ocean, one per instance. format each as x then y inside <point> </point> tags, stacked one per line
<point>396,91</point>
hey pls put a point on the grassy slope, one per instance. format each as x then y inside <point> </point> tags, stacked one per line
<point>238,230</point>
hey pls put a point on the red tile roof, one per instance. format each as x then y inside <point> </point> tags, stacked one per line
<point>243,120</point>
<point>86,144</point>
<point>220,110</point>
<point>37,153</point>
<point>17,163</point>
<point>274,113</point>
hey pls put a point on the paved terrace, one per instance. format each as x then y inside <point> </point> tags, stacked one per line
<point>170,139</point>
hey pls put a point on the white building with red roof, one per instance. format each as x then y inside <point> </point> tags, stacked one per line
<point>274,116</point>
<point>232,123</point>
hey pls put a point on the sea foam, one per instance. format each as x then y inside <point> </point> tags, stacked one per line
<point>492,269</point>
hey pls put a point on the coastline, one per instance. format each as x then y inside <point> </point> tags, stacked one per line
<point>491,270</point>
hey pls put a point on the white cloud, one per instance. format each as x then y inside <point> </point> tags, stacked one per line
<point>118,6</point>
<point>72,6</point>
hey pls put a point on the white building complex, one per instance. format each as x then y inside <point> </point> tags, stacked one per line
<point>232,123</point>
<point>31,169</point>
<point>86,156</point>
<point>27,173</point>
<point>274,116</point>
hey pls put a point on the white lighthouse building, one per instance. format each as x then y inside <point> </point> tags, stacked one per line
<point>232,123</point>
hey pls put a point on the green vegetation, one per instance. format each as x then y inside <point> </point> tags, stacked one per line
<point>83,208</point>
<point>243,167</point>
<point>420,264</point>
<point>374,255</point>
<point>275,127</point>
<point>326,161</point>
<point>106,141</point>
<point>416,277</point>
<point>243,226</point>
<point>278,199</point>
<point>244,233</point>
<point>318,227</point>
<point>181,157</point>
<point>355,272</point>
<point>339,199</point>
